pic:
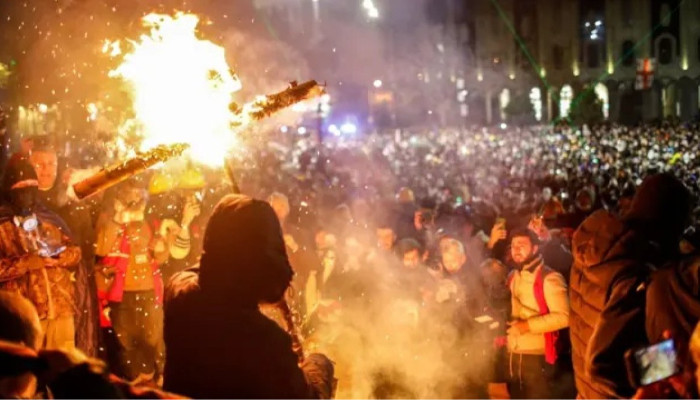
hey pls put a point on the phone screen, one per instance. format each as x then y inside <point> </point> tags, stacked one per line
<point>656,362</point>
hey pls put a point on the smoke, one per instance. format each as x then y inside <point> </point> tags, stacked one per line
<point>390,338</point>
<point>265,66</point>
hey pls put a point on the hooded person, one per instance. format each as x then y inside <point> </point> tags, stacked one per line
<point>613,260</point>
<point>219,343</point>
<point>37,254</point>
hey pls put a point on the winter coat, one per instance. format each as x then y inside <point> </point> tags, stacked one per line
<point>524,306</point>
<point>219,344</point>
<point>51,290</point>
<point>673,303</point>
<point>606,305</point>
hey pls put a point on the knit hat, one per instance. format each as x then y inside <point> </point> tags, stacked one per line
<point>661,203</point>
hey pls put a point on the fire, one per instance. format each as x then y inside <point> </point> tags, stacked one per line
<point>181,86</point>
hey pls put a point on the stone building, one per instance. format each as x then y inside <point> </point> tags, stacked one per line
<point>570,46</point>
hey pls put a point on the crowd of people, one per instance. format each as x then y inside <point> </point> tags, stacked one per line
<point>463,263</point>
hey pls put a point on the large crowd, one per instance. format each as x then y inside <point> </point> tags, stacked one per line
<point>447,263</point>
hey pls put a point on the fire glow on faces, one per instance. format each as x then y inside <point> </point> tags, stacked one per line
<point>181,87</point>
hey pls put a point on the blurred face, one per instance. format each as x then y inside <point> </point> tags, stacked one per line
<point>411,259</point>
<point>46,165</point>
<point>453,259</point>
<point>385,238</point>
<point>521,249</point>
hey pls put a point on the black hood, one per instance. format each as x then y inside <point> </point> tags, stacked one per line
<point>662,206</point>
<point>244,257</point>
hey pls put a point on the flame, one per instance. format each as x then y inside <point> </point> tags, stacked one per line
<point>181,87</point>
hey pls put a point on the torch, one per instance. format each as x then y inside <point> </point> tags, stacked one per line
<point>112,175</point>
<point>273,103</point>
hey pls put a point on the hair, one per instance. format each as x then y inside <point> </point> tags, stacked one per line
<point>451,244</point>
<point>43,143</point>
<point>19,321</point>
<point>408,245</point>
<point>525,232</point>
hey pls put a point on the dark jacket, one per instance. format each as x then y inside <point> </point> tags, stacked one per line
<point>605,251</point>
<point>219,345</point>
<point>673,303</point>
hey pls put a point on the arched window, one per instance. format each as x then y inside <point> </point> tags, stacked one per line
<point>503,100</point>
<point>601,91</point>
<point>628,53</point>
<point>565,97</point>
<point>536,100</point>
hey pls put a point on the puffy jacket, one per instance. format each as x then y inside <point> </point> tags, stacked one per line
<point>609,264</point>
<point>524,306</point>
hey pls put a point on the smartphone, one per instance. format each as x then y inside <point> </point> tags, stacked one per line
<point>652,364</point>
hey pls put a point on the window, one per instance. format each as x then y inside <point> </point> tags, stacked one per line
<point>626,12</point>
<point>558,57</point>
<point>536,100</point>
<point>565,97</point>
<point>592,55</point>
<point>601,91</point>
<point>665,15</point>
<point>665,50</point>
<point>629,53</point>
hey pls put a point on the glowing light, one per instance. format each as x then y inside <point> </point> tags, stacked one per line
<point>43,108</point>
<point>503,125</point>
<point>512,76</point>
<point>684,61</point>
<point>92,111</point>
<point>370,8</point>
<point>575,69</point>
<point>284,129</point>
<point>377,83</point>
<point>601,92</point>
<point>479,76</point>
<point>348,128</point>
<point>181,87</point>
<point>334,130</point>
<point>536,100</point>
<point>301,130</point>
<point>565,97</point>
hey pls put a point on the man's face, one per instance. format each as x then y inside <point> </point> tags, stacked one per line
<point>521,249</point>
<point>46,166</point>
<point>411,259</point>
<point>385,238</point>
<point>453,259</point>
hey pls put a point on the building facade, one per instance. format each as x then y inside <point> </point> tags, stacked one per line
<point>572,46</point>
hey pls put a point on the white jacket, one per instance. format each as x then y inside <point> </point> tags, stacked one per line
<point>524,307</point>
